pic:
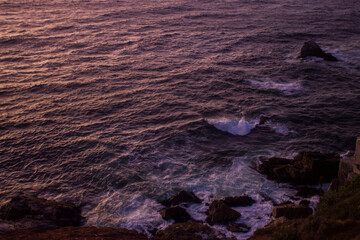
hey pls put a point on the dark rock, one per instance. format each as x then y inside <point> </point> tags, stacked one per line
<point>177,213</point>
<point>181,197</point>
<point>334,185</point>
<point>239,201</point>
<point>291,211</point>
<point>304,202</point>
<point>74,233</point>
<point>188,231</point>
<point>311,48</point>
<point>221,213</point>
<point>269,166</point>
<point>38,212</point>
<point>307,192</point>
<point>238,227</point>
<point>306,168</point>
<point>263,120</point>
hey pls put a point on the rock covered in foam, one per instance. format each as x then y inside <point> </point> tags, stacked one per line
<point>33,212</point>
<point>311,48</point>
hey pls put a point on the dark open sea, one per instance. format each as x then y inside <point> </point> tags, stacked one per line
<point>117,104</point>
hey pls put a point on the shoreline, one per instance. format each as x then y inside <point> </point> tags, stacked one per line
<point>29,217</point>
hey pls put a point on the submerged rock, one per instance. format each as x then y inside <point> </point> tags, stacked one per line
<point>291,211</point>
<point>177,213</point>
<point>239,201</point>
<point>31,212</point>
<point>221,213</point>
<point>311,48</point>
<point>181,197</point>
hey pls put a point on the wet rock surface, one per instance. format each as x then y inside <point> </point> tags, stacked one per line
<point>221,213</point>
<point>177,213</point>
<point>238,201</point>
<point>32,212</point>
<point>305,168</point>
<point>311,48</point>
<point>181,197</point>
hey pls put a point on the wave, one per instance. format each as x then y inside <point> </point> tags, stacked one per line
<point>236,127</point>
<point>286,88</point>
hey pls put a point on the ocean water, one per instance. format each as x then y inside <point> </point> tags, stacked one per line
<point>116,104</point>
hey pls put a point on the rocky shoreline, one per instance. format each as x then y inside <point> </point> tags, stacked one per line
<point>31,217</point>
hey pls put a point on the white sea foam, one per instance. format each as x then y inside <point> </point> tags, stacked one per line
<point>236,127</point>
<point>289,88</point>
<point>279,128</point>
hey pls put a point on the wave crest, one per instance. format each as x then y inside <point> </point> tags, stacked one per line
<point>236,127</point>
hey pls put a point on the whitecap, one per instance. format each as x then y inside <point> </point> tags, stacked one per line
<point>290,88</point>
<point>236,127</point>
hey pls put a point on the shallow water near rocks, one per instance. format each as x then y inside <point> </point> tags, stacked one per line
<point>115,105</point>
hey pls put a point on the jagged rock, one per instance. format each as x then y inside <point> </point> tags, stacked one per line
<point>291,211</point>
<point>307,192</point>
<point>181,197</point>
<point>239,201</point>
<point>221,213</point>
<point>311,48</point>
<point>188,231</point>
<point>177,213</point>
<point>274,168</point>
<point>238,227</point>
<point>305,168</point>
<point>30,212</point>
<point>325,166</point>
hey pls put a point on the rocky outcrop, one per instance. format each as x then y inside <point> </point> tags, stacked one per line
<point>33,212</point>
<point>221,213</point>
<point>188,231</point>
<point>181,197</point>
<point>305,168</point>
<point>291,211</point>
<point>311,48</point>
<point>238,201</point>
<point>178,214</point>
